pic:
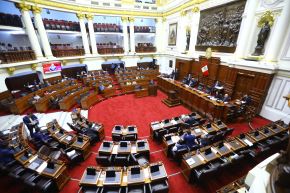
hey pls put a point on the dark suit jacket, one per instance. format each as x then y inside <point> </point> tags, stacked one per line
<point>27,121</point>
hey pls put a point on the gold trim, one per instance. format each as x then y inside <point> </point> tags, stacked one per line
<point>64,62</point>
<point>164,19</point>
<point>183,13</point>
<point>131,19</point>
<point>195,9</point>
<point>36,9</point>
<point>124,19</point>
<point>89,16</point>
<point>82,60</point>
<point>10,70</point>
<point>23,6</point>
<point>34,66</point>
<point>97,11</point>
<point>81,15</point>
<point>268,16</point>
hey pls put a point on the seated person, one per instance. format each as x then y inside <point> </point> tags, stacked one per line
<point>6,153</point>
<point>179,145</point>
<point>207,90</point>
<point>151,82</point>
<point>35,98</point>
<point>193,82</point>
<point>42,137</point>
<point>190,120</point>
<point>204,140</point>
<point>134,82</point>
<point>187,79</point>
<point>46,83</point>
<point>246,99</point>
<point>31,122</point>
<point>226,98</point>
<point>189,139</point>
<point>216,87</point>
<point>101,88</point>
<point>138,87</point>
<point>200,86</point>
<point>218,95</point>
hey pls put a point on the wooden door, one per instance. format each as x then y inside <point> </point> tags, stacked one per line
<point>243,85</point>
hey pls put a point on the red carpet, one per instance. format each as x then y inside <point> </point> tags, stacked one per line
<point>126,110</point>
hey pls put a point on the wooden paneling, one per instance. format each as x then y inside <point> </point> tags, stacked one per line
<point>236,81</point>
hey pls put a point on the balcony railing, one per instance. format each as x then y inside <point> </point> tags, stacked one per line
<point>16,56</point>
<point>67,52</point>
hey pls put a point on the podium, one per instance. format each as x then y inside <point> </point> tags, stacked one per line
<point>172,99</point>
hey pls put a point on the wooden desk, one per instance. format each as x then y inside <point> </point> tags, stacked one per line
<point>189,162</point>
<point>90,180</point>
<point>209,157</point>
<point>59,174</point>
<point>109,92</point>
<point>224,150</point>
<point>69,101</point>
<point>129,130</point>
<point>141,93</point>
<point>235,144</point>
<point>259,137</point>
<point>90,100</point>
<point>83,147</point>
<point>195,99</point>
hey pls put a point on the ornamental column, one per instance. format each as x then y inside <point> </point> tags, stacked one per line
<point>92,34</point>
<point>132,35</point>
<point>42,32</point>
<point>275,42</point>
<point>158,37</point>
<point>194,29</point>
<point>246,28</point>
<point>181,33</point>
<point>30,30</point>
<point>125,34</point>
<point>81,17</point>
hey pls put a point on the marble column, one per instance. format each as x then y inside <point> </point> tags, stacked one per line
<point>276,39</point>
<point>132,35</point>
<point>125,34</point>
<point>181,33</point>
<point>194,29</point>
<point>158,35</point>
<point>42,32</point>
<point>30,30</point>
<point>92,34</point>
<point>246,28</point>
<point>81,17</point>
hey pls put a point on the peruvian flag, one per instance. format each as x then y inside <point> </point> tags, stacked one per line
<point>204,69</point>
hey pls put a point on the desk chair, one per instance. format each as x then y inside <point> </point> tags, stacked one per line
<point>204,173</point>
<point>160,186</point>
<point>121,160</point>
<point>159,134</point>
<point>116,137</point>
<point>136,188</point>
<point>138,159</point>
<point>94,189</point>
<point>111,189</point>
<point>42,184</point>
<point>104,160</point>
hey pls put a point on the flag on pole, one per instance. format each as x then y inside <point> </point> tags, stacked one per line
<point>204,69</point>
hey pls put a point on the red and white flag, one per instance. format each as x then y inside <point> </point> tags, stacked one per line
<point>204,69</point>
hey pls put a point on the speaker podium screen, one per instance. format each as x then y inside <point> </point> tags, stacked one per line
<point>51,67</point>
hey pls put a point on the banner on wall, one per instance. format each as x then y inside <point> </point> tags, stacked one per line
<point>51,67</point>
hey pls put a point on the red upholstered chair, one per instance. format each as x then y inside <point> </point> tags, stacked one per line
<point>62,24</point>
<point>52,24</point>
<point>57,24</point>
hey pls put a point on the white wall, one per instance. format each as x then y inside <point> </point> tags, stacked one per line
<point>16,40</point>
<point>115,38</point>
<point>275,106</point>
<point>72,39</point>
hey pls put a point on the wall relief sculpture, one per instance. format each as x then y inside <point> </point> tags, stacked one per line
<point>219,27</point>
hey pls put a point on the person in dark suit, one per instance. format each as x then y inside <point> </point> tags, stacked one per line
<point>179,145</point>
<point>31,121</point>
<point>39,136</point>
<point>193,82</point>
<point>226,98</point>
<point>6,153</point>
<point>189,139</point>
<point>246,99</point>
<point>101,88</point>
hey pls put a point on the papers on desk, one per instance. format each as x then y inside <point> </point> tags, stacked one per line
<point>197,130</point>
<point>248,142</point>
<point>41,167</point>
<point>133,149</point>
<point>190,161</point>
<point>173,122</point>
<point>146,173</point>
<point>33,165</point>
<point>125,179</point>
<point>68,138</point>
<point>71,153</point>
<point>234,156</point>
<point>6,132</point>
<point>175,138</point>
<point>32,159</point>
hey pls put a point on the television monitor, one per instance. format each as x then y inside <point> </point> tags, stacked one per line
<point>51,67</point>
